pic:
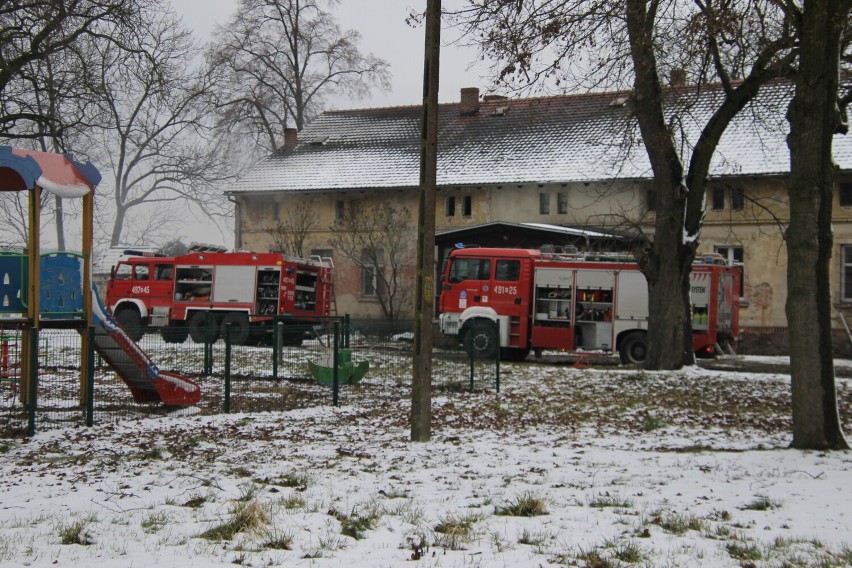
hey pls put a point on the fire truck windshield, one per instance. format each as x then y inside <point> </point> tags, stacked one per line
<point>469,269</point>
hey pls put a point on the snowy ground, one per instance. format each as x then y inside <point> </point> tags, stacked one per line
<point>615,467</point>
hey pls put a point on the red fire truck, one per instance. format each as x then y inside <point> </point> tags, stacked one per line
<point>182,295</point>
<point>517,300</point>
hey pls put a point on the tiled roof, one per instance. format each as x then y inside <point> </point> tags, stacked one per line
<point>587,137</point>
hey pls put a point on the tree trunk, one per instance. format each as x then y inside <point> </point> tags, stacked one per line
<point>60,223</point>
<point>668,263</point>
<point>117,226</point>
<point>813,118</point>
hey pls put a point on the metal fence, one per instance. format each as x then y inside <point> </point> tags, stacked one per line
<point>280,370</point>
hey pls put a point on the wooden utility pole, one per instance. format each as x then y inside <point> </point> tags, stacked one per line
<point>421,392</point>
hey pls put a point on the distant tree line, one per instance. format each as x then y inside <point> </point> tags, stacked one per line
<point>169,122</point>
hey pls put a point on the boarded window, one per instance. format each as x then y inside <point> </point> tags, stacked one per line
<point>467,208</point>
<point>450,206</point>
<point>718,198</point>
<point>544,203</point>
<point>845,194</point>
<point>737,199</point>
<point>562,202</point>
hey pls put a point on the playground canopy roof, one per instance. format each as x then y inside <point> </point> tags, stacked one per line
<point>59,174</point>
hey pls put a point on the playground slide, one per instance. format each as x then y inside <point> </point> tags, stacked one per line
<point>126,358</point>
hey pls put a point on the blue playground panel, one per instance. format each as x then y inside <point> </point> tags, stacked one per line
<point>13,275</point>
<point>61,291</point>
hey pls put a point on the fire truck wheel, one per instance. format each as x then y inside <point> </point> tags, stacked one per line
<point>634,347</point>
<point>480,341</point>
<point>174,333</point>
<point>199,330</point>
<point>240,332</point>
<point>131,322</point>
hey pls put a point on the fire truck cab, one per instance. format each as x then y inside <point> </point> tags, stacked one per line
<point>515,300</point>
<point>182,296</point>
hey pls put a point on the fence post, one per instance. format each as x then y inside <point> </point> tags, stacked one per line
<point>276,346</point>
<point>208,344</point>
<point>497,370</point>
<point>335,397</point>
<point>228,368</point>
<point>346,330</point>
<point>90,378</point>
<point>32,382</point>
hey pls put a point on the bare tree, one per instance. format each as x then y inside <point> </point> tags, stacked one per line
<point>44,97</point>
<point>151,134</point>
<point>598,43</point>
<point>815,115</point>
<point>289,235</point>
<point>33,31</point>
<point>277,59</point>
<point>13,215</point>
<point>379,241</point>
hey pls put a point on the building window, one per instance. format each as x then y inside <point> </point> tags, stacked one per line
<point>734,255</point>
<point>846,272</point>
<point>562,202</point>
<point>718,198</point>
<point>846,195</point>
<point>322,253</point>
<point>450,206</point>
<point>339,210</point>
<point>467,206</point>
<point>737,199</point>
<point>371,270</point>
<point>544,203</point>
<point>651,200</point>
<point>276,211</point>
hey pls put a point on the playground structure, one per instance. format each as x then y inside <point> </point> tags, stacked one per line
<point>55,291</point>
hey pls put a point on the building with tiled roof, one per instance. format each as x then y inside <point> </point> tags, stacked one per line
<point>572,161</point>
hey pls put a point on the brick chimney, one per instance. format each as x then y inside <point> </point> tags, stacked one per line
<point>291,138</point>
<point>469,101</point>
<point>677,77</point>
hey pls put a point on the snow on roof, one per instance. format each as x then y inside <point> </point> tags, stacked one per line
<point>58,174</point>
<point>570,138</point>
<point>104,261</point>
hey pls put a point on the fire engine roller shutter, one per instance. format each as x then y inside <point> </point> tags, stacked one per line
<point>234,284</point>
<point>632,295</point>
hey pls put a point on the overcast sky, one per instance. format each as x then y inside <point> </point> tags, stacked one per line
<point>384,34</point>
